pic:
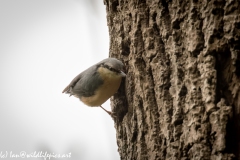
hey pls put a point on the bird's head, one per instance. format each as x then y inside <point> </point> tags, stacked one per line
<point>113,66</point>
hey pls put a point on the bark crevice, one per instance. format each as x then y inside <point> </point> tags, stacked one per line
<point>180,99</point>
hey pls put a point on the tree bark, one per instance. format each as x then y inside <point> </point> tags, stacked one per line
<point>180,99</point>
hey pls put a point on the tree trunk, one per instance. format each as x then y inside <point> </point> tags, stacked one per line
<point>180,99</point>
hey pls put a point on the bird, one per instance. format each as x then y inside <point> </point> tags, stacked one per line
<point>98,83</point>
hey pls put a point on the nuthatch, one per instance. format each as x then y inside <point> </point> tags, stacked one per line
<point>98,83</point>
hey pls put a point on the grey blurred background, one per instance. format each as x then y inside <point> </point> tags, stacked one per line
<point>44,44</point>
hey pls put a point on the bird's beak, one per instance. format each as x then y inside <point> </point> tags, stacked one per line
<point>122,74</point>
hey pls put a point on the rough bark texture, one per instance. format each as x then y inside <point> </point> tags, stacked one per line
<point>180,99</point>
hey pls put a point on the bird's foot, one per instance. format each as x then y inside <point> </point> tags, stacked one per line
<point>112,114</point>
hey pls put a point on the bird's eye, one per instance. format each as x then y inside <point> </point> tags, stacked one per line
<point>110,68</point>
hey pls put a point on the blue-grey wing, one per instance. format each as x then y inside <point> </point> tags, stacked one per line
<point>85,84</point>
<point>68,89</point>
<point>88,84</point>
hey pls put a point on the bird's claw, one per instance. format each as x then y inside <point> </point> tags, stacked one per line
<point>112,114</point>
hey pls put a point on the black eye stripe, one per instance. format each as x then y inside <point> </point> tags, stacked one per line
<point>110,68</point>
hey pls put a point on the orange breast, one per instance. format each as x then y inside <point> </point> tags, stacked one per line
<point>110,86</point>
